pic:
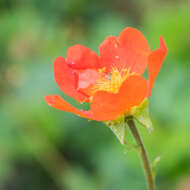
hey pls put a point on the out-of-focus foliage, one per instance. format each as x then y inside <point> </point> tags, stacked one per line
<point>43,148</point>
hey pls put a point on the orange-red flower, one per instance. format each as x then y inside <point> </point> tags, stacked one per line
<point>112,82</point>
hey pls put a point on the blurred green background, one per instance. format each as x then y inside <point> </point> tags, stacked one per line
<point>43,148</point>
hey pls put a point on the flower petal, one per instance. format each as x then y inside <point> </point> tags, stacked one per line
<point>59,103</point>
<point>87,77</point>
<point>155,62</point>
<point>87,80</point>
<point>67,79</point>
<point>108,106</point>
<point>112,54</point>
<point>130,50</point>
<point>137,49</point>
<point>81,57</point>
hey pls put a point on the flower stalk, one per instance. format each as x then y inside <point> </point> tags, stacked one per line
<point>143,154</point>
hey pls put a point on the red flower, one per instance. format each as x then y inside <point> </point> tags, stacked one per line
<point>112,82</point>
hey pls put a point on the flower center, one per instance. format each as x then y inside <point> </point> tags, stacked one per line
<point>112,81</point>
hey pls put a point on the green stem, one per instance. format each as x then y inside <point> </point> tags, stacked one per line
<point>143,155</point>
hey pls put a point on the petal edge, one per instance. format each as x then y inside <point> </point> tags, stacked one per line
<point>81,57</point>
<point>66,79</point>
<point>59,103</point>
<point>155,61</point>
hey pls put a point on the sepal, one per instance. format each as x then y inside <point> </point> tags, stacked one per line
<point>119,129</point>
<point>141,114</point>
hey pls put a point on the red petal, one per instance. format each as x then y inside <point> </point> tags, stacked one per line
<point>59,103</point>
<point>67,79</point>
<point>81,57</point>
<point>87,77</point>
<point>130,50</point>
<point>137,49</point>
<point>155,62</point>
<point>111,54</point>
<point>108,106</point>
<point>87,80</point>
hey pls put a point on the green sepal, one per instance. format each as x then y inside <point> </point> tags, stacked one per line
<point>141,114</point>
<point>119,129</point>
<point>120,132</point>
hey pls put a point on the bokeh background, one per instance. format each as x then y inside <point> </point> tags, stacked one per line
<point>43,148</point>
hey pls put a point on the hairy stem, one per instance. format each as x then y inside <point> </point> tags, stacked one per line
<point>143,155</point>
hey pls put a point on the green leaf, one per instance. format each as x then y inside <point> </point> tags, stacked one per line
<point>141,114</point>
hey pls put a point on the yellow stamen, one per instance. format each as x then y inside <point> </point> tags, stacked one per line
<point>113,83</point>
